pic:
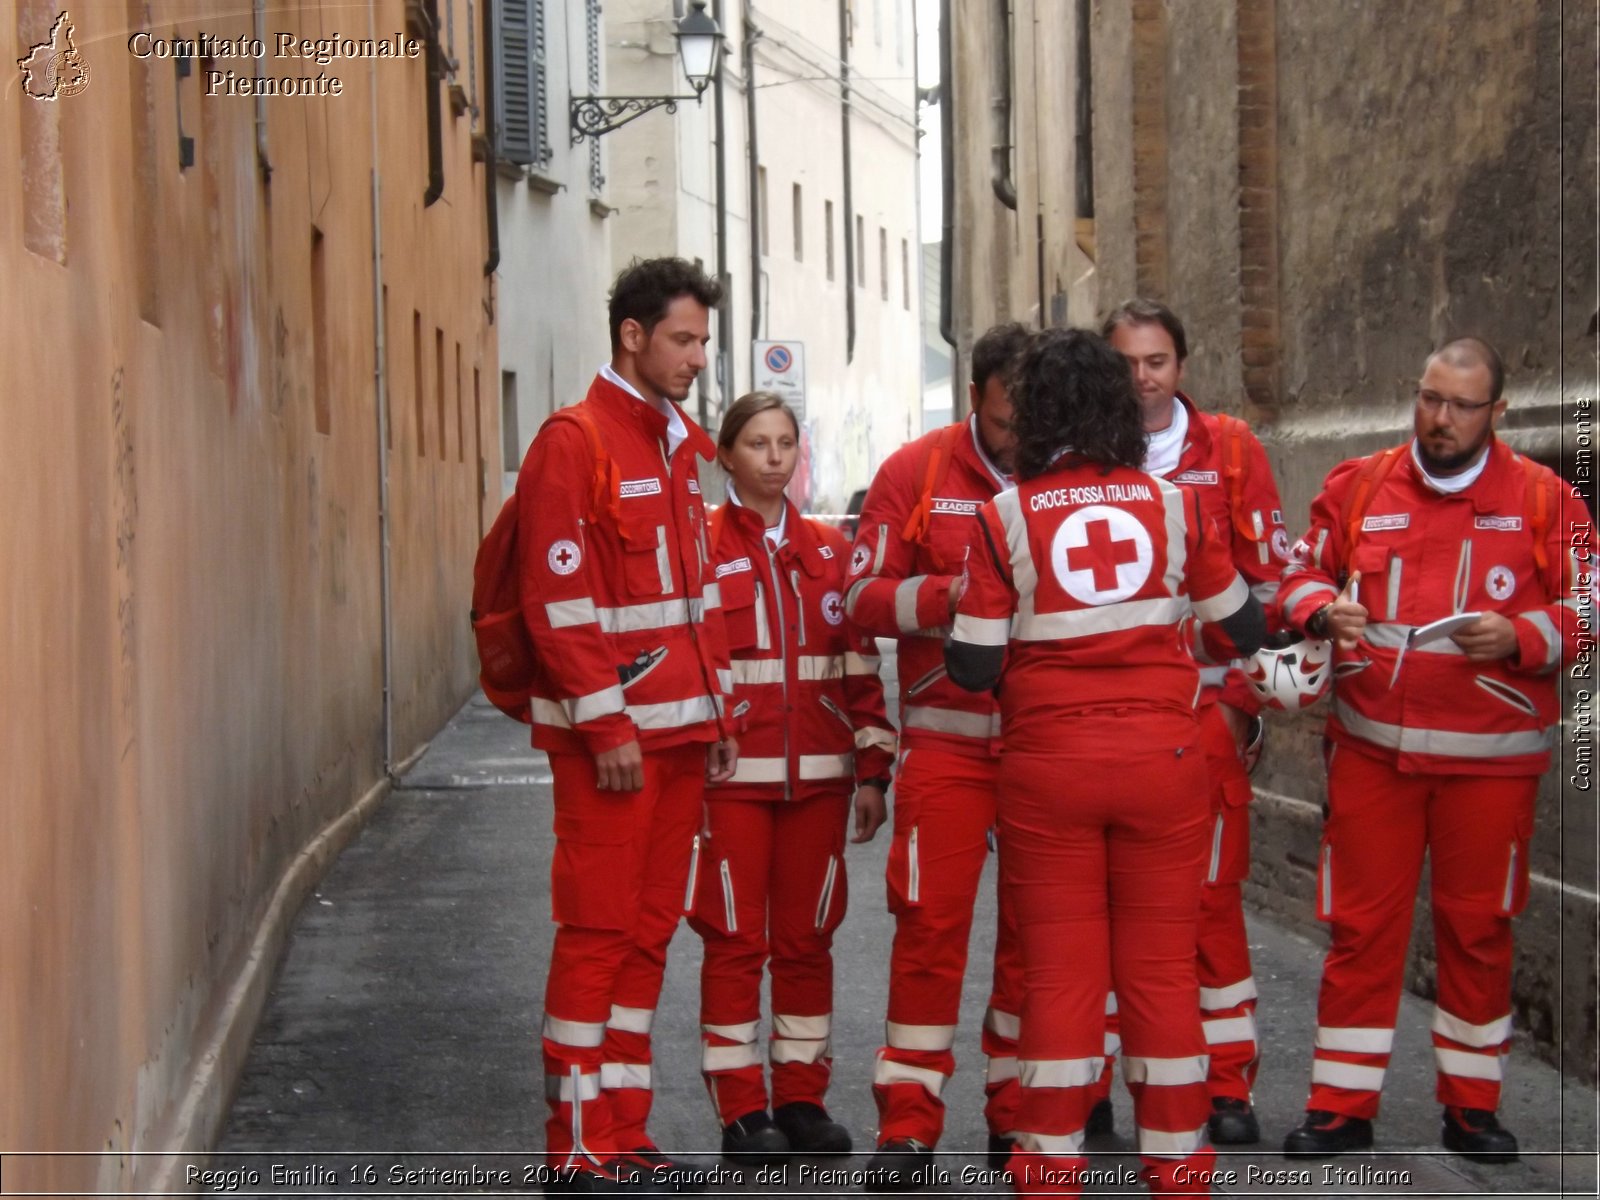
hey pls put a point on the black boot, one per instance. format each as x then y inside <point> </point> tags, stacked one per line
<point>754,1140</point>
<point>1233,1122</point>
<point>891,1168</point>
<point>810,1129</point>
<point>653,1169</point>
<point>1101,1122</point>
<point>1323,1134</point>
<point>1474,1133</point>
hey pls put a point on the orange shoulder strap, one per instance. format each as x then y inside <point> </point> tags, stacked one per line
<point>1540,503</point>
<point>1372,474</point>
<point>1232,430</point>
<point>933,474</point>
<point>605,499</point>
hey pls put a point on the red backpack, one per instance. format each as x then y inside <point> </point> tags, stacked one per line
<point>505,646</point>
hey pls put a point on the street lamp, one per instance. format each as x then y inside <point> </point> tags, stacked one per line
<point>699,41</point>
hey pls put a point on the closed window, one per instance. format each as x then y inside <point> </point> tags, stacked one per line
<point>521,103</point>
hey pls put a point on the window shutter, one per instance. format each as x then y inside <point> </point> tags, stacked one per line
<point>538,106</point>
<point>513,74</point>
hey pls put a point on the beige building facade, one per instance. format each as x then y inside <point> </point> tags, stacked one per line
<point>250,405</point>
<point>1322,192</point>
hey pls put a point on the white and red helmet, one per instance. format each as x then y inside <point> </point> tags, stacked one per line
<point>1290,677</point>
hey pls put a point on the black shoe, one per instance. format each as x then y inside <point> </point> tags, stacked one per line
<point>1474,1133</point>
<point>1233,1122</point>
<point>893,1167</point>
<point>609,1180</point>
<point>1000,1149</point>
<point>1323,1134</point>
<point>810,1129</point>
<point>754,1140</point>
<point>1101,1122</point>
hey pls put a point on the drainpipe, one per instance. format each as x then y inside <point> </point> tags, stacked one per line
<point>725,308</point>
<point>850,247</point>
<point>491,167</point>
<point>259,19</point>
<point>947,189</point>
<point>435,131</point>
<point>381,390</point>
<point>1005,187</point>
<point>751,36</point>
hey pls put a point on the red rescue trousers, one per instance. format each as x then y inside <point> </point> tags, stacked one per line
<point>1103,872</point>
<point>1227,983</point>
<point>1475,831</point>
<point>618,885</point>
<point>944,809</point>
<point>772,882</point>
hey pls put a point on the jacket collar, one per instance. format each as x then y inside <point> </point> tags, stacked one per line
<point>1484,492</point>
<point>628,407</point>
<point>800,539</point>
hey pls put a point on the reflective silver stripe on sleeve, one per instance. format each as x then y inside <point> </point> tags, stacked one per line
<point>945,720</point>
<point>882,548</point>
<point>1024,574</point>
<point>1444,742</point>
<point>1552,638</point>
<point>1266,592</point>
<point>870,736</point>
<point>982,631</point>
<point>1290,600</point>
<point>1107,618</point>
<point>1226,602</point>
<point>1214,676</point>
<point>595,704</point>
<point>1322,543</point>
<point>564,614</point>
<point>905,603</point>
<point>860,664</point>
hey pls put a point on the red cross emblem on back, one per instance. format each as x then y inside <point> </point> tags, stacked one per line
<point>1101,554</point>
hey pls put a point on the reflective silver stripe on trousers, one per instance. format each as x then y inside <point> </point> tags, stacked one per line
<point>944,720</point>
<point>785,1025</point>
<point>670,715</point>
<point>1107,618</point>
<point>631,1020</point>
<point>812,766</point>
<point>566,1089</point>
<point>745,1031</point>
<point>1225,603</point>
<point>1492,1033</point>
<point>1165,1072</point>
<point>919,1037</point>
<point>625,1075</point>
<point>1216,999</point>
<point>1467,1065</point>
<point>787,1050</point>
<point>888,1071</point>
<point>1352,1076</point>
<point>1003,1024</point>
<point>1059,1072</point>
<point>982,631</point>
<point>1444,742</point>
<point>574,1033</point>
<point>1162,1143</point>
<point>1062,1145</point>
<point>1355,1039</point>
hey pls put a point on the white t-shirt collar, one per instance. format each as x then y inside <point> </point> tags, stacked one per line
<point>677,431</point>
<point>1449,485</point>
<point>1164,447</point>
<point>1002,481</point>
<point>776,534</point>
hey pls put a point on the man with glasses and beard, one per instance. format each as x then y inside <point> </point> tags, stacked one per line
<point>1436,739</point>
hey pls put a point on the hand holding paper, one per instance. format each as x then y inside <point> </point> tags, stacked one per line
<point>1488,638</point>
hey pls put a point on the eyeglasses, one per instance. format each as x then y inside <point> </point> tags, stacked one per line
<point>1432,402</point>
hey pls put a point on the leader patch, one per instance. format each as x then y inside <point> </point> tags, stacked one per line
<point>961,508</point>
<point>564,557</point>
<point>1500,583</point>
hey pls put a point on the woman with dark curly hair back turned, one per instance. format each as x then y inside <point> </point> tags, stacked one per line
<point>1081,588</point>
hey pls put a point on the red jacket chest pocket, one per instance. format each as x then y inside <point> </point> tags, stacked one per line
<point>741,598</point>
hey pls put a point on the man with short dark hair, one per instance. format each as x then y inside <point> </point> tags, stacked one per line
<point>905,574</point>
<point>632,670</point>
<point>1436,738</point>
<point>1220,459</point>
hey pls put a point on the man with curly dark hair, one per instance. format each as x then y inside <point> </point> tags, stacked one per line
<point>1078,582</point>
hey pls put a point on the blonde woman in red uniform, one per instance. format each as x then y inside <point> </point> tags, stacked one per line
<point>771,881</point>
<point>1080,584</point>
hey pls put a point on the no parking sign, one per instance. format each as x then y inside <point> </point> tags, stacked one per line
<point>781,367</point>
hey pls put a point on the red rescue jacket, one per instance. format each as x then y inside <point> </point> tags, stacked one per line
<point>1085,574</point>
<point>623,608</point>
<point>900,584</point>
<point>1224,463</point>
<point>807,703</point>
<point>1422,556</point>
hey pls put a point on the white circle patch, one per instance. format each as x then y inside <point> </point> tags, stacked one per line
<point>564,557</point>
<point>1500,583</point>
<point>1280,542</point>
<point>858,559</point>
<point>833,608</point>
<point>1101,554</point>
<point>1299,553</point>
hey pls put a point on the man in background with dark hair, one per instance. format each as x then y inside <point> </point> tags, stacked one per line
<point>632,670</point>
<point>1222,462</point>
<point>905,572</point>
